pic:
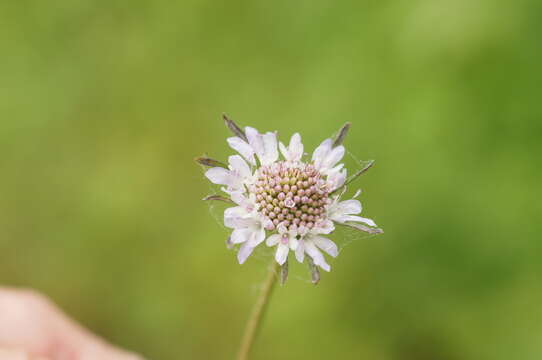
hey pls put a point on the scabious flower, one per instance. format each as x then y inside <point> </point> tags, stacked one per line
<point>291,203</point>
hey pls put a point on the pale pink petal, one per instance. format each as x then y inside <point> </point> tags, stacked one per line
<point>323,227</point>
<point>256,237</point>
<point>321,152</point>
<point>293,243</point>
<point>218,175</point>
<point>244,252</point>
<point>335,170</point>
<point>339,218</point>
<point>295,149</point>
<point>270,154</point>
<point>239,166</point>
<point>237,196</point>
<point>358,219</point>
<point>327,245</point>
<point>333,157</point>
<point>282,253</point>
<point>237,217</point>
<point>300,251</point>
<point>341,179</point>
<point>336,179</point>
<point>255,140</point>
<point>273,240</point>
<point>316,255</point>
<point>284,150</point>
<point>367,221</point>
<point>243,148</point>
<point>348,207</point>
<point>240,235</point>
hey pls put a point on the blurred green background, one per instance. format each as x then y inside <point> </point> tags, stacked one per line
<point>104,105</point>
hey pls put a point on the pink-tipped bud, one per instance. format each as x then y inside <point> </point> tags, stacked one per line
<point>289,203</point>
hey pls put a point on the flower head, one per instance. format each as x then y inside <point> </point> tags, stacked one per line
<point>289,202</point>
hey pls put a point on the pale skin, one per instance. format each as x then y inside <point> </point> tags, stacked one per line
<point>32,327</point>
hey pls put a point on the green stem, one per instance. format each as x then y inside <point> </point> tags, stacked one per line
<point>258,311</point>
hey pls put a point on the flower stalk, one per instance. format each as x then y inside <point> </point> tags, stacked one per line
<point>286,198</point>
<point>258,312</point>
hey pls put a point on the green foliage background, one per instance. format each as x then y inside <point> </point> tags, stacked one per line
<point>104,105</point>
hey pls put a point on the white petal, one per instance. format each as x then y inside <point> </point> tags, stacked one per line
<point>255,140</point>
<point>367,221</point>
<point>270,154</point>
<point>336,169</point>
<point>239,166</point>
<point>237,218</point>
<point>333,157</point>
<point>336,179</point>
<point>327,245</point>
<point>243,148</point>
<point>273,240</point>
<point>256,237</point>
<point>240,235</point>
<point>300,251</point>
<point>237,196</point>
<point>295,149</point>
<point>358,219</point>
<point>316,255</point>
<point>218,175</point>
<point>324,265</point>
<point>284,151</point>
<point>244,252</point>
<point>348,207</point>
<point>282,253</point>
<point>321,152</point>
<point>341,179</point>
<point>323,227</point>
<point>293,243</point>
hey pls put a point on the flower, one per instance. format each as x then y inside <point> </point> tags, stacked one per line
<point>290,203</point>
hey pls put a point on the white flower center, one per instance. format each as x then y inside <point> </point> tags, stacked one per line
<point>292,195</point>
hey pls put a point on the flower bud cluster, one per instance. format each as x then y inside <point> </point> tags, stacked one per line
<point>292,195</point>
